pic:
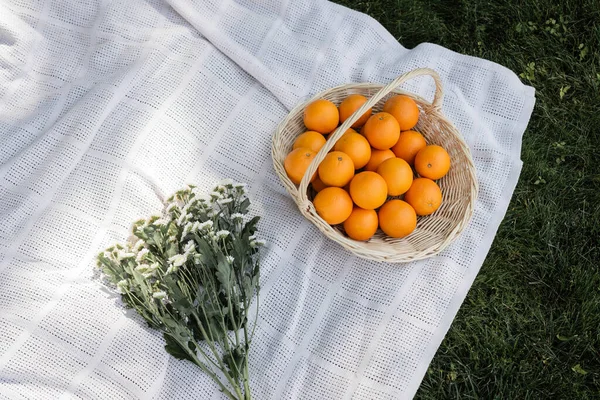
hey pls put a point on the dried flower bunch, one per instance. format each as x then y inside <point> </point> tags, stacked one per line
<point>192,274</point>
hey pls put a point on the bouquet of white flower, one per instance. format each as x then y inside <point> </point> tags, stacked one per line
<point>192,274</point>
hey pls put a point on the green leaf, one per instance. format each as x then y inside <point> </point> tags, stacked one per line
<point>113,270</point>
<point>250,226</point>
<point>577,368</point>
<point>224,273</point>
<point>250,281</point>
<point>174,348</point>
<point>183,306</point>
<point>235,362</point>
<point>172,249</point>
<point>171,323</point>
<point>157,237</point>
<point>243,207</point>
<point>211,326</point>
<point>205,250</point>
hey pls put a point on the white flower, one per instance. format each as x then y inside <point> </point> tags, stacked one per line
<point>189,247</point>
<point>230,259</point>
<point>252,237</point>
<point>195,227</point>
<point>141,255</point>
<point>142,268</point>
<point>257,243</point>
<point>138,245</point>
<point>141,224</point>
<point>178,260</point>
<point>121,255</point>
<point>225,201</point>
<point>216,195</point>
<point>159,295</point>
<point>186,207</point>
<point>184,217</point>
<point>148,271</point>
<point>241,187</point>
<point>186,229</point>
<point>171,207</point>
<point>237,216</point>
<point>226,182</point>
<point>122,286</point>
<point>161,222</point>
<point>222,234</point>
<point>202,197</point>
<point>207,224</point>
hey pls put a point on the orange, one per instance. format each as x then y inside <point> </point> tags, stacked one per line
<point>296,163</point>
<point>432,162</point>
<point>397,218</point>
<point>361,224</point>
<point>356,146</point>
<point>408,145</point>
<point>336,169</point>
<point>321,116</point>
<point>424,196</point>
<point>368,190</point>
<point>382,130</point>
<point>404,109</point>
<point>333,204</point>
<point>310,140</point>
<point>377,157</point>
<point>351,104</point>
<point>397,175</point>
<point>318,184</point>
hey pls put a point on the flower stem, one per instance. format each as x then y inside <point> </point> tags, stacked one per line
<point>245,372</point>
<point>210,373</point>
<point>215,353</point>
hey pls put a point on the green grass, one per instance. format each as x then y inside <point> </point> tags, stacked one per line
<point>530,325</point>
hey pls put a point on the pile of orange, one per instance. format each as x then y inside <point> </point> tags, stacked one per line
<point>382,177</point>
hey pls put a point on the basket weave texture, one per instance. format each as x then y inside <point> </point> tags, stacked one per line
<point>459,187</point>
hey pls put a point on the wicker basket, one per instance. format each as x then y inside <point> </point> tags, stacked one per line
<point>459,187</point>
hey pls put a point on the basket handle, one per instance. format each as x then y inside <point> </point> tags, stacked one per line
<point>337,134</point>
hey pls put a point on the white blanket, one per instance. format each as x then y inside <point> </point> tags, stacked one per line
<point>108,106</point>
